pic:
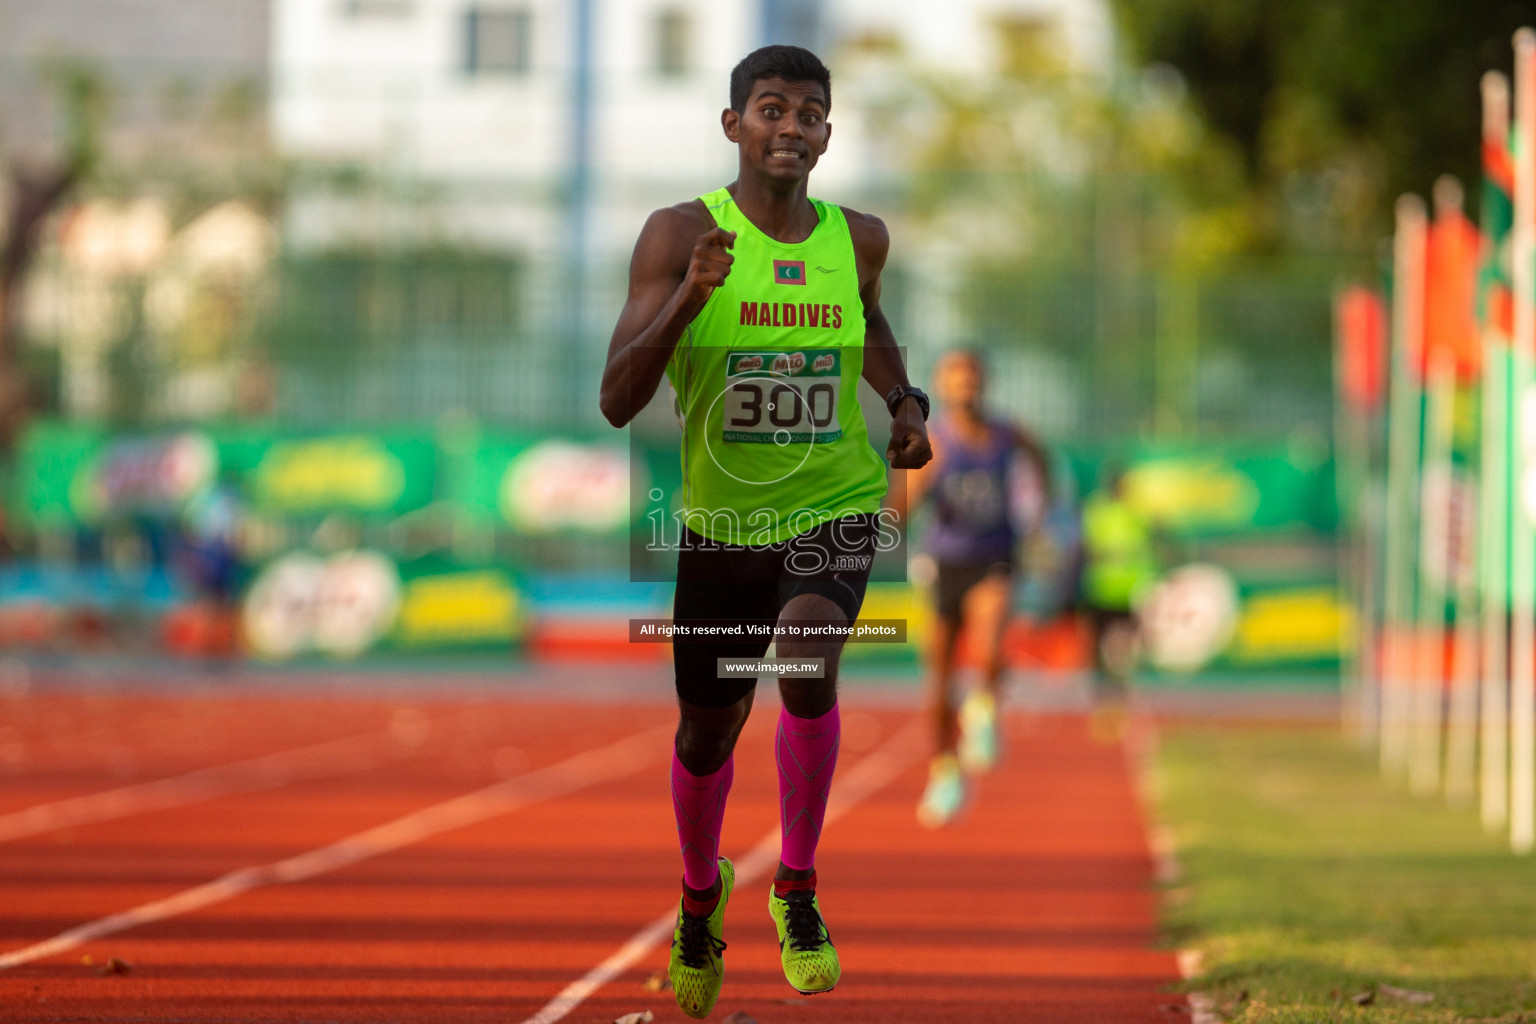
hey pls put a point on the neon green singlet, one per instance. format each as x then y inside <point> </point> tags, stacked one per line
<point>767,376</point>
<point>1121,560</point>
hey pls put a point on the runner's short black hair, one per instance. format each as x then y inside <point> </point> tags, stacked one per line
<point>970,353</point>
<point>791,63</point>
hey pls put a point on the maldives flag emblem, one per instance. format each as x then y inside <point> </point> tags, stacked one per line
<point>789,271</point>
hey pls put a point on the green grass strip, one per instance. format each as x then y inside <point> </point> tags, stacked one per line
<point>1308,881</point>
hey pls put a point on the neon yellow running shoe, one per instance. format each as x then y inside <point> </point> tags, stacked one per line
<point>806,950</point>
<point>697,966</point>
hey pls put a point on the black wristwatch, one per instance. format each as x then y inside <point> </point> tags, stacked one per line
<point>901,391</point>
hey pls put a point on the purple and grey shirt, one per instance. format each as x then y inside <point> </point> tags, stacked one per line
<point>972,521</point>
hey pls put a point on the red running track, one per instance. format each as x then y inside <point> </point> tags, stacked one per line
<point>1038,906</point>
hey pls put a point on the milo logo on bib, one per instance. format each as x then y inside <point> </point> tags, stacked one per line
<point>782,398</point>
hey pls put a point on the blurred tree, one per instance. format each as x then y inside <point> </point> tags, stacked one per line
<point>1333,108</point>
<point>1053,165</point>
<point>37,189</point>
<point>132,210</point>
<point>1093,226</point>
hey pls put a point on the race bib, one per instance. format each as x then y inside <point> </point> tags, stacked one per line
<point>782,398</point>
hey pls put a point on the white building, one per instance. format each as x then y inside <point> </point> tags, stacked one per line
<point>480,99</point>
<point>461,120</point>
<point>161,61</point>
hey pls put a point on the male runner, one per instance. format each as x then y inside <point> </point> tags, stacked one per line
<point>762,307</point>
<point>974,485</point>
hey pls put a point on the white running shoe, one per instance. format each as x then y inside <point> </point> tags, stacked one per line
<point>945,796</point>
<point>978,733</point>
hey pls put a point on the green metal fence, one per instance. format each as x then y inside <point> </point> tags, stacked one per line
<point>379,336</point>
<point>359,339</point>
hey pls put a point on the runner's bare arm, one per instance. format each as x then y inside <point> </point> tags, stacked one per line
<point>1027,443</point>
<point>679,260</point>
<point>918,484</point>
<point>909,448</point>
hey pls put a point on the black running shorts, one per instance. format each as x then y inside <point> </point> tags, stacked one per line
<point>746,584</point>
<point>953,582</point>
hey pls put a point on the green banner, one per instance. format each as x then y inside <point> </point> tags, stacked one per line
<point>49,457</point>
<point>352,603</point>
<point>546,485</point>
<point>79,476</point>
<point>1216,491</point>
<point>344,472</point>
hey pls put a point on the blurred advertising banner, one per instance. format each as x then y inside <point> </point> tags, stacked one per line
<point>1217,491</point>
<point>73,475</point>
<point>1247,541</point>
<point>349,543</point>
<point>358,602</point>
<point>334,545</point>
<point>363,473</point>
<point>538,484</point>
<point>545,485</point>
<point>1200,619</point>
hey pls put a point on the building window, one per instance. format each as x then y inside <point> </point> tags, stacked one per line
<point>498,41</point>
<point>376,8</point>
<point>671,39</point>
<point>797,22</point>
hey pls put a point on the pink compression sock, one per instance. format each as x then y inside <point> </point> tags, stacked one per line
<point>698,802</point>
<point>806,753</point>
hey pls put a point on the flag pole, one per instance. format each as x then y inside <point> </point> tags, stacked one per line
<point>1461,726</point>
<point>1494,495</point>
<point>1522,783</point>
<point>1353,340</point>
<point>1460,537</point>
<point>1435,495</point>
<point>1344,495</point>
<point>1402,483</point>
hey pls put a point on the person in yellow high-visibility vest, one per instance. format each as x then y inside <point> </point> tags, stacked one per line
<point>1119,567</point>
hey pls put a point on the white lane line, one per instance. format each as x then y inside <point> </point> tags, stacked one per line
<point>603,764</point>
<point>1140,748</point>
<point>268,771</point>
<point>861,782</point>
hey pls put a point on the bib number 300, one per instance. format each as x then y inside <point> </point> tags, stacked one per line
<point>782,398</point>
